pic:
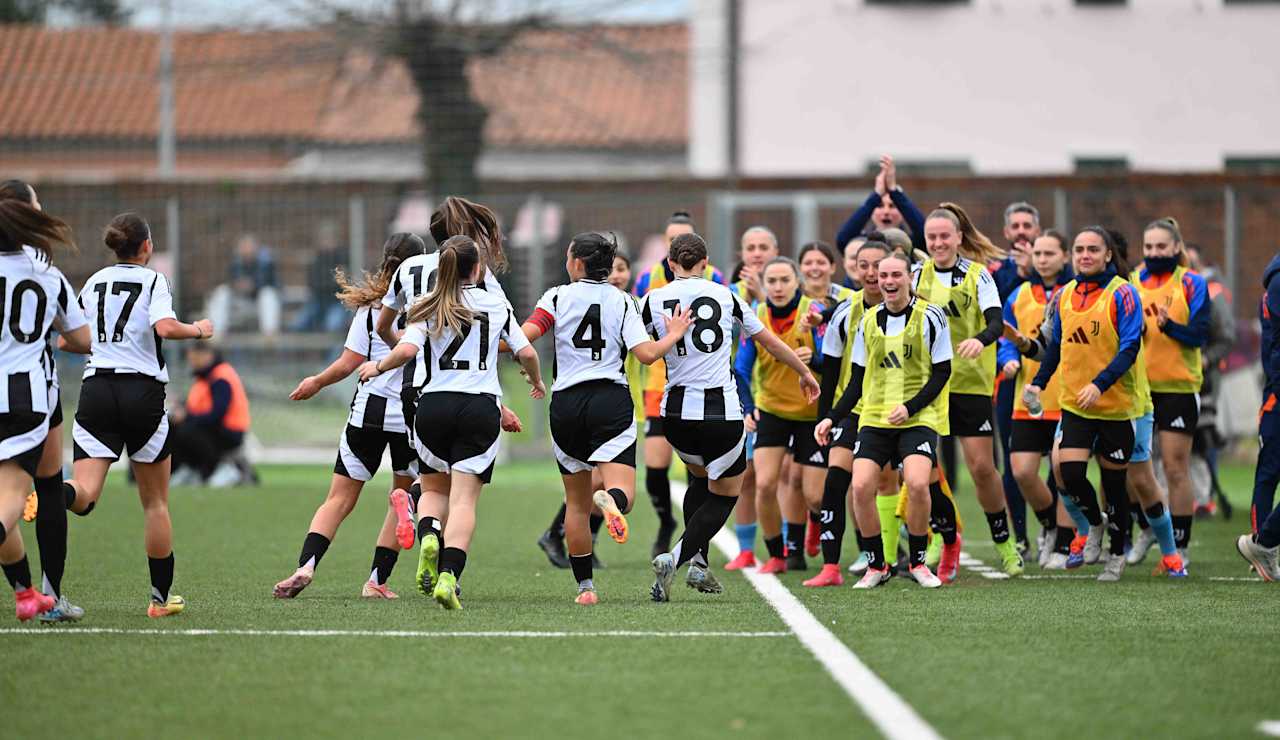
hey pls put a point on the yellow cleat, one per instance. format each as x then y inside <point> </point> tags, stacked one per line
<point>445,592</point>
<point>33,505</point>
<point>173,606</point>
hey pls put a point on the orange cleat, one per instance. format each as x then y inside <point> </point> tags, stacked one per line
<point>812,545</point>
<point>614,521</point>
<point>829,576</point>
<point>587,598</point>
<point>404,519</point>
<point>1076,557</point>
<point>1172,566</point>
<point>31,602</point>
<point>745,559</point>
<point>773,565</point>
<point>373,590</point>
<point>949,563</point>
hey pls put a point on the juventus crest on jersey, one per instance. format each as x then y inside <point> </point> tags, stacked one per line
<point>700,384</point>
<point>595,326</point>
<point>467,361</point>
<point>35,298</point>
<point>123,303</point>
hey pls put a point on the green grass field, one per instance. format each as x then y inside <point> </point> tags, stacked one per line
<point>1063,658</point>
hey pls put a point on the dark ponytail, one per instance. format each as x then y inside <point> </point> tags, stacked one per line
<point>17,190</point>
<point>461,217</point>
<point>687,250</point>
<point>126,234</point>
<point>596,252</point>
<point>21,224</point>
<point>1119,247</point>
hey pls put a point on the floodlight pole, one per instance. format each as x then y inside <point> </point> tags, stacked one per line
<point>166,146</point>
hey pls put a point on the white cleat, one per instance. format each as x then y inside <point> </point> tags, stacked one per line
<point>859,566</point>
<point>925,577</point>
<point>1141,546</point>
<point>1044,545</point>
<point>1056,561</point>
<point>1113,569</point>
<point>1265,560</point>
<point>293,585</point>
<point>872,578</point>
<point>1093,546</point>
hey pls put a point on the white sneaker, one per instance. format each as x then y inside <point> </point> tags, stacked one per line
<point>1055,561</point>
<point>1265,560</point>
<point>1113,569</point>
<point>925,577</point>
<point>225,475</point>
<point>1044,545</point>
<point>872,578</point>
<point>1093,546</point>
<point>1141,546</point>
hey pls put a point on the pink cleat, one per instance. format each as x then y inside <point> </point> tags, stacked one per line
<point>373,590</point>
<point>293,585</point>
<point>404,519</point>
<point>745,559</point>
<point>31,602</point>
<point>949,563</point>
<point>829,576</point>
<point>586,598</point>
<point>773,565</point>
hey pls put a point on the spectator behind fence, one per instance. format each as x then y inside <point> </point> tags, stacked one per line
<point>323,311</point>
<point>212,425</point>
<point>251,293</point>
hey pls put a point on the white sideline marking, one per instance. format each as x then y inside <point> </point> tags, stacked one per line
<point>977,566</point>
<point>895,718</point>
<point>367,633</point>
<point>1269,727</point>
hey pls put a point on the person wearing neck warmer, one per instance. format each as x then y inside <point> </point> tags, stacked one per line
<point>1177,316</point>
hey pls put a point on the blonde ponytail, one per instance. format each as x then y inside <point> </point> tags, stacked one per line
<point>444,306</point>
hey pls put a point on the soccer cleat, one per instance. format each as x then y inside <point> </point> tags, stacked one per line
<point>30,602</point>
<point>1142,544</point>
<point>1024,549</point>
<point>796,562</point>
<point>661,543</point>
<point>774,566</point>
<point>745,559</point>
<point>1172,566</point>
<point>1075,558</point>
<point>872,578</point>
<point>933,554</point>
<point>949,563</point>
<point>1044,545</point>
<point>664,571</point>
<point>812,533</point>
<point>587,597</point>
<point>372,590</point>
<point>859,566</point>
<point>446,591</point>
<point>1185,554</point>
<point>404,519</point>
<point>1056,561</point>
<point>293,585</point>
<point>1093,543</point>
<point>828,576</point>
<point>1265,560</point>
<point>428,564</point>
<point>62,611</point>
<point>1112,569</point>
<point>31,507</point>
<point>701,579</point>
<point>924,576</point>
<point>553,548</point>
<point>170,608</point>
<point>614,521</point>
<point>1010,559</point>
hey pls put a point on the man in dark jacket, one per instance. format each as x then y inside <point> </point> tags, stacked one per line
<point>1262,548</point>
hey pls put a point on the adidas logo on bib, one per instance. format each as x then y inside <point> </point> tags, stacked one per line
<point>986,427</point>
<point>1078,337</point>
<point>1178,423</point>
<point>1117,455</point>
<point>816,457</point>
<point>925,448</point>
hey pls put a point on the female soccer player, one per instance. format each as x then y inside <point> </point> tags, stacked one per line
<point>1095,341</point>
<point>901,363</point>
<point>955,277</point>
<point>782,416</point>
<point>700,407</point>
<point>122,399</point>
<point>595,327</point>
<point>375,423</point>
<point>37,300</point>
<point>1177,316</point>
<point>46,505</point>
<point>817,262</point>
<point>457,327</point>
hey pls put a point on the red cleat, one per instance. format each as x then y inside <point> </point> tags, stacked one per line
<point>829,576</point>
<point>949,564</point>
<point>812,546</point>
<point>774,565</point>
<point>31,602</point>
<point>404,520</point>
<point>745,559</point>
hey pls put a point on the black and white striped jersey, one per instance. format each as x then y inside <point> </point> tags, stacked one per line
<point>700,384</point>
<point>595,326</point>
<point>415,278</point>
<point>467,361</point>
<point>376,404</point>
<point>123,303</point>
<point>35,300</point>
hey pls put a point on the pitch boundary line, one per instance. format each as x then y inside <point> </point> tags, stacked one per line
<point>51,630</point>
<point>890,714</point>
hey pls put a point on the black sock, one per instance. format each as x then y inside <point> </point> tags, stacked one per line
<point>619,500</point>
<point>581,565</point>
<point>19,574</point>
<point>453,560</point>
<point>162,576</point>
<point>814,520</point>
<point>774,546</point>
<point>833,519</point>
<point>874,551</point>
<point>1181,530</point>
<point>795,537</point>
<point>708,520</point>
<point>68,494</point>
<point>1048,516</point>
<point>313,548</point>
<point>1080,490</point>
<point>942,513</point>
<point>1113,488</point>
<point>1154,511</point>
<point>918,543</point>
<point>694,497</point>
<point>557,523</point>
<point>415,493</point>
<point>659,488</point>
<point>384,560</point>
<point>999,523</point>
<point>595,520</point>
<point>1062,540</point>
<point>428,525</point>
<point>51,530</point>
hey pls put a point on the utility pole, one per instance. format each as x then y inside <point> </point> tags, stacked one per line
<point>166,154</point>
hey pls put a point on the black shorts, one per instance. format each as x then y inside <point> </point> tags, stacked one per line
<point>55,408</point>
<point>775,431</point>
<point>970,415</point>
<point>593,422</point>
<point>1176,412</point>
<point>845,433</point>
<point>1032,435</point>
<point>458,432</point>
<point>121,412</point>
<point>360,453</point>
<point>892,446</point>
<point>718,446</point>
<point>22,435</point>
<point>653,427</point>
<point>1112,439</point>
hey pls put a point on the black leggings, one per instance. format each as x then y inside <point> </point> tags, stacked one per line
<point>201,447</point>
